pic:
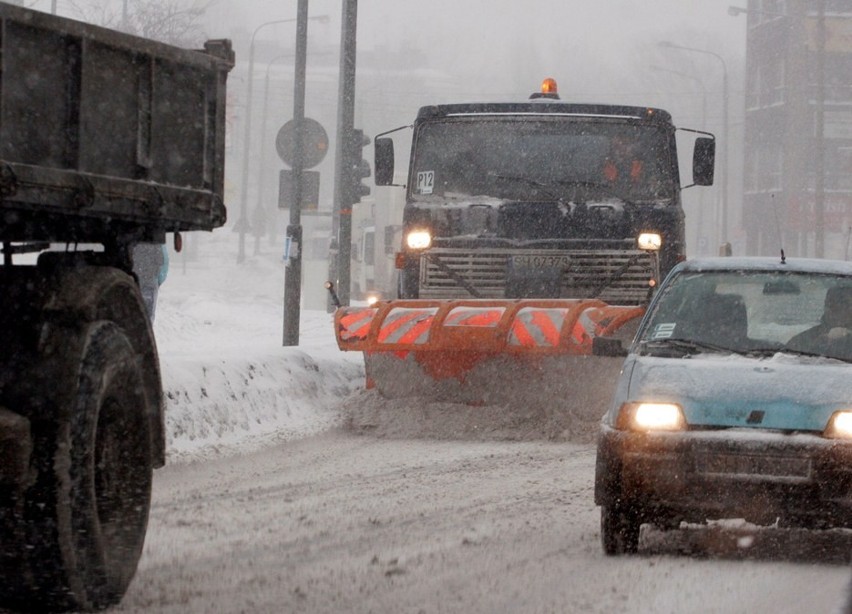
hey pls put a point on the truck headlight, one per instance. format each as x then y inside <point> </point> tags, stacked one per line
<point>650,241</point>
<point>839,425</point>
<point>418,239</point>
<point>651,417</point>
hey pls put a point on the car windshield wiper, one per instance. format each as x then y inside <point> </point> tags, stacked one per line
<point>786,350</point>
<point>689,345</point>
<point>759,351</point>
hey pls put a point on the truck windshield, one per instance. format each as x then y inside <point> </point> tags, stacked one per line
<point>533,159</point>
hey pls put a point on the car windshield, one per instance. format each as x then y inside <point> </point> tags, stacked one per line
<point>753,312</point>
<point>526,159</point>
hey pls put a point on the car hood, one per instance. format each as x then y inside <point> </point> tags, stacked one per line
<point>782,392</point>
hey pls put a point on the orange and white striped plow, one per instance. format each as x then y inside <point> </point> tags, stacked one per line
<point>481,350</point>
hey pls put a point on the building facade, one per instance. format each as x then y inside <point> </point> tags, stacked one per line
<point>798,128</point>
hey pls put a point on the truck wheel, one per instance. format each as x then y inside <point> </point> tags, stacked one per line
<point>620,523</point>
<point>87,512</point>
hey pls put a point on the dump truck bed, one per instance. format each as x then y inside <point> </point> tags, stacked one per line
<point>105,134</point>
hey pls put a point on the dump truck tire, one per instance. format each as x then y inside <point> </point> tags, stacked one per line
<point>86,514</point>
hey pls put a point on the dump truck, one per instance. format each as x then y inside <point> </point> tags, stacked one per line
<point>106,141</point>
<point>530,230</point>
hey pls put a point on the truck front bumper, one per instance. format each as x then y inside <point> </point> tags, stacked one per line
<point>731,473</point>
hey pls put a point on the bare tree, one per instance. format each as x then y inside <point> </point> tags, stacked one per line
<point>176,22</point>
<point>170,21</point>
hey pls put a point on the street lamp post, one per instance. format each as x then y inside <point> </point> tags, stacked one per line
<point>700,222</point>
<point>726,148</point>
<point>819,120</point>
<point>242,222</point>
<point>700,84</point>
<point>259,208</point>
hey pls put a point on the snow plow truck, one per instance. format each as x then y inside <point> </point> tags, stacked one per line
<point>530,230</point>
<point>106,141</point>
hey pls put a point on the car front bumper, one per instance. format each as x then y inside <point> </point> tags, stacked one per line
<point>697,475</point>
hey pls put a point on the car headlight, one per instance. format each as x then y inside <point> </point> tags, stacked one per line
<point>650,241</point>
<point>418,239</point>
<point>651,417</point>
<point>840,425</point>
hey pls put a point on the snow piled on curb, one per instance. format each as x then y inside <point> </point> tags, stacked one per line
<point>229,384</point>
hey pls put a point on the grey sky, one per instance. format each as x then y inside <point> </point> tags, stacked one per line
<point>595,49</point>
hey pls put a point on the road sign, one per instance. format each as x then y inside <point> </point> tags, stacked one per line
<point>315,142</point>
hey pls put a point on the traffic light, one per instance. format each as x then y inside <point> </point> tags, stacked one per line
<point>355,167</point>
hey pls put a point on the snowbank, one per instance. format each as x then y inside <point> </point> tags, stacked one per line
<point>230,386</point>
<point>229,383</point>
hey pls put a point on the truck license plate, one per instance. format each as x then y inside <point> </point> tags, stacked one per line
<point>541,261</point>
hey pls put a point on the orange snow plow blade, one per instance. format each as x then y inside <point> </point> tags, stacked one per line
<point>488,351</point>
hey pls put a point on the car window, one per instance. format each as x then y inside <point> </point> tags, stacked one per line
<point>747,310</point>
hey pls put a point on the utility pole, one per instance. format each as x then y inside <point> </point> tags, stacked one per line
<point>342,219</point>
<point>261,212</point>
<point>819,118</point>
<point>243,221</point>
<point>293,275</point>
<point>723,213</point>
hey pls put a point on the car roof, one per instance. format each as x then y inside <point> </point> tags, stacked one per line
<point>797,265</point>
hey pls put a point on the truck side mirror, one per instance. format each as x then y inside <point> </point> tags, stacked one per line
<point>703,161</point>
<point>383,161</point>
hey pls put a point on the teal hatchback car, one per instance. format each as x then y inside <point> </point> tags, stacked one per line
<point>734,401</point>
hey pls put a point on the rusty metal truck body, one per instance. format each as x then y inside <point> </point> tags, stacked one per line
<point>106,140</point>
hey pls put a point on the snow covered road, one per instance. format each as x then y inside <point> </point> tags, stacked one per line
<point>268,503</point>
<point>349,523</point>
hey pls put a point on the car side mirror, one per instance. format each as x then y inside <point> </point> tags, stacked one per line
<point>608,346</point>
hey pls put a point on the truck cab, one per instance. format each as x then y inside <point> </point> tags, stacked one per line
<point>541,199</point>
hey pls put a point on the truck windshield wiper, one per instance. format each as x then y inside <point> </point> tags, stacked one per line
<point>547,189</point>
<point>607,281</point>
<point>608,190</point>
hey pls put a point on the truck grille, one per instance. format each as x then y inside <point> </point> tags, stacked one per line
<point>443,270</point>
